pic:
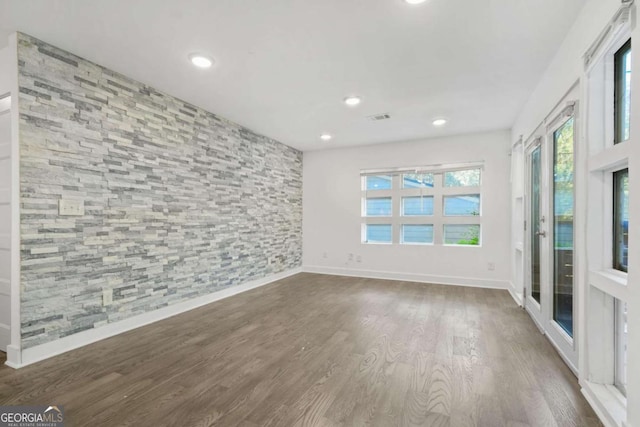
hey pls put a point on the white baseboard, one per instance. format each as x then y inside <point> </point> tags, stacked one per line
<point>517,296</point>
<point>44,351</point>
<point>408,277</point>
<point>13,356</point>
<point>5,336</point>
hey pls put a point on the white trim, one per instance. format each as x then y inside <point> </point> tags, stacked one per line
<point>618,24</point>
<point>610,282</point>
<point>533,316</point>
<point>438,168</point>
<point>5,333</point>
<point>13,354</point>
<point>44,351</point>
<point>607,406</point>
<point>13,350</point>
<point>611,159</point>
<point>517,297</point>
<point>408,277</point>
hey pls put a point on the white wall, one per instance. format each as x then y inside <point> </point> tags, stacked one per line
<point>332,221</point>
<point>566,67</point>
<point>5,71</point>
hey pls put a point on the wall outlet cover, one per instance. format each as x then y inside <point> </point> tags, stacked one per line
<point>68,207</point>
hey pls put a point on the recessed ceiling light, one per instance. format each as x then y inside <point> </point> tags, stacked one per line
<point>414,1</point>
<point>326,137</point>
<point>200,61</point>
<point>352,101</point>
<point>439,122</point>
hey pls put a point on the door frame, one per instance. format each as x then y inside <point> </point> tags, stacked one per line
<point>542,314</point>
<point>564,343</point>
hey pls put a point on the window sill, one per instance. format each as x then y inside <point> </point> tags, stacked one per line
<point>612,282</point>
<point>608,403</point>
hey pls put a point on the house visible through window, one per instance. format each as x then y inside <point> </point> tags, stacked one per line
<point>620,219</point>
<point>422,207</point>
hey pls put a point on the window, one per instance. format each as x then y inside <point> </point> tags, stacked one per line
<point>417,233</point>
<point>417,206</point>
<point>378,206</point>
<point>463,205</point>
<point>622,92</point>
<point>428,207</point>
<point>464,178</point>
<point>605,291</point>
<point>378,233</point>
<point>417,180</point>
<point>462,234</point>
<point>563,207</point>
<point>620,219</point>
<point>380,182</point>
<point>621,346</point>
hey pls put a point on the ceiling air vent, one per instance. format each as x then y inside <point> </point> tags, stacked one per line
<point>378,117</point>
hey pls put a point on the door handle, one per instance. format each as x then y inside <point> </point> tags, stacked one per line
<point>541,233</point>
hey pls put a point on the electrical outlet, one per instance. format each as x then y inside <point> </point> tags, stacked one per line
<point>68,207</point>
<point>325,255</point>
<point>107,297</point>
<point>491,266</point>
<point>350,257</point>
<point>359,258</point>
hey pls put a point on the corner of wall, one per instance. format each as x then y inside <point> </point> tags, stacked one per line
<point>517,296</point>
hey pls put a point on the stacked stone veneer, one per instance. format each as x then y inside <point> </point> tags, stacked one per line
<point>178,201</point>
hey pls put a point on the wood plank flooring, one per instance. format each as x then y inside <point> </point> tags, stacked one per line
<point>315,350</point>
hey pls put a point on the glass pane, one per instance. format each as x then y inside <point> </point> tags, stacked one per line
<point>563,226</point>
<point>417,233</point>
<point>417,205</point>
<point>458,234</point>
<point>535,223</point>
<point>620,219</point>
<point>379,233</point>
<point>380,206</point>
<point>417,180</point>
<point>466,178</point>
<point>622,91</point>
<point>463,205</point>
<point>621,346</point>
<point>378,182</point>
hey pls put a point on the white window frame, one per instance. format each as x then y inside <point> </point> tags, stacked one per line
<point>438,220</point>
<point>606,287</point>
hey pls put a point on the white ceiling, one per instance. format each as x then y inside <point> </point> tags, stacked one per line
<point>284,66</point>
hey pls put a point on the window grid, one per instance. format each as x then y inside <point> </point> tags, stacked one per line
<point>433,193</point>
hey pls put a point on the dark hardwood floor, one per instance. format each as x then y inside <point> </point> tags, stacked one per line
<point>315,350</point>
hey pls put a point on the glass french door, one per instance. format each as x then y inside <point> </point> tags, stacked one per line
<point>535,232</point>
<point>550,202</point>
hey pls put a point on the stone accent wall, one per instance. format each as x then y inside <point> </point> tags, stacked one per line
<point>178,201</point>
